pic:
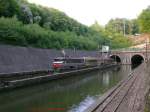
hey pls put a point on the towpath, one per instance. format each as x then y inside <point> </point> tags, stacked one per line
<point>128,95</point>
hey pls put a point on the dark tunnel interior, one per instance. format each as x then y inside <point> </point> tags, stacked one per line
<point>116,58</point>
<point>136,60</point>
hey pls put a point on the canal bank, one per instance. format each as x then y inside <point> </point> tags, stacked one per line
<point>11,83</point>
<point>72,94</point>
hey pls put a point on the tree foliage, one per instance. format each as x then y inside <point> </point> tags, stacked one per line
<point>14,32</point>
<point>122,26</point>
<point>37,26</point>
<point>144,20</point>
<point>9,8</point>
<point>110,37</point>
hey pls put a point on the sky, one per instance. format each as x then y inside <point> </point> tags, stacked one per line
<point>89,11</point>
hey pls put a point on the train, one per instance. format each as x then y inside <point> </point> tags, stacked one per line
<point>63,63</point>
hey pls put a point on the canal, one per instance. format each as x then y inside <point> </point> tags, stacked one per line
<point>73,94</point>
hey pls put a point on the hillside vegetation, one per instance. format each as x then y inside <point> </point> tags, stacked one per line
<point>27,24</point>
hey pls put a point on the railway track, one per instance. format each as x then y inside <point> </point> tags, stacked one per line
<point>115,98</point>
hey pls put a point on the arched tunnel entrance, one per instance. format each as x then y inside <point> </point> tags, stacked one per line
<point>136,60</point>
<point>116,58</point>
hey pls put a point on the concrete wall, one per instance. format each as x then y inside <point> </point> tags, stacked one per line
<point>22,59</point>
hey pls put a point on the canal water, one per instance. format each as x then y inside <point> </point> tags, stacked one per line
<point>72,94</point>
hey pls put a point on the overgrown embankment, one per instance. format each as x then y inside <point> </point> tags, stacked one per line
<point>25,24</point>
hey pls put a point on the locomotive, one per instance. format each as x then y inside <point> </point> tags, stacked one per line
<point>63,63</point>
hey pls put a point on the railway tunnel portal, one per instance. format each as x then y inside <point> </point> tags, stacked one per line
<point>130,57</point>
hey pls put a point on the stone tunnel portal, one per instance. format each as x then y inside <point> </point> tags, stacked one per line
<point>116,58</point>
<point>137,60</point>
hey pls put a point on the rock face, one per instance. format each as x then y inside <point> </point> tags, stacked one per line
<point>23,59</point>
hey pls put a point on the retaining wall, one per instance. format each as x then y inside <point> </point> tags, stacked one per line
<point>22,59</point>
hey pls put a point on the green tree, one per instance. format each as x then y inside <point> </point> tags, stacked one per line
<point>119,25</point>
<point>43,27</point>
<point>97,27</point>
<point>26,14</point>
<point>9,8</point>
<point>144,20</point>
<point>134,26</point>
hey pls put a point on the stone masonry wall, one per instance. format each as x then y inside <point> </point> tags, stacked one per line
<point>22,59</point>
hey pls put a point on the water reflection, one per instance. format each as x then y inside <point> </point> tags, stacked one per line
<point>106,79</point>
<point>135,66</point>
<point>72,94</point>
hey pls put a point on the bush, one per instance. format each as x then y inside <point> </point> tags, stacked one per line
<point>14,32</point>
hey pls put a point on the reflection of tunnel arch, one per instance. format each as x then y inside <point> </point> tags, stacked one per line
<point>116,58</point>
<point>137,59</point>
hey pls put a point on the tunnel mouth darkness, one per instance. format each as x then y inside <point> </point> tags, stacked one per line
<point>116,58</point>
<point>136,60</point>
